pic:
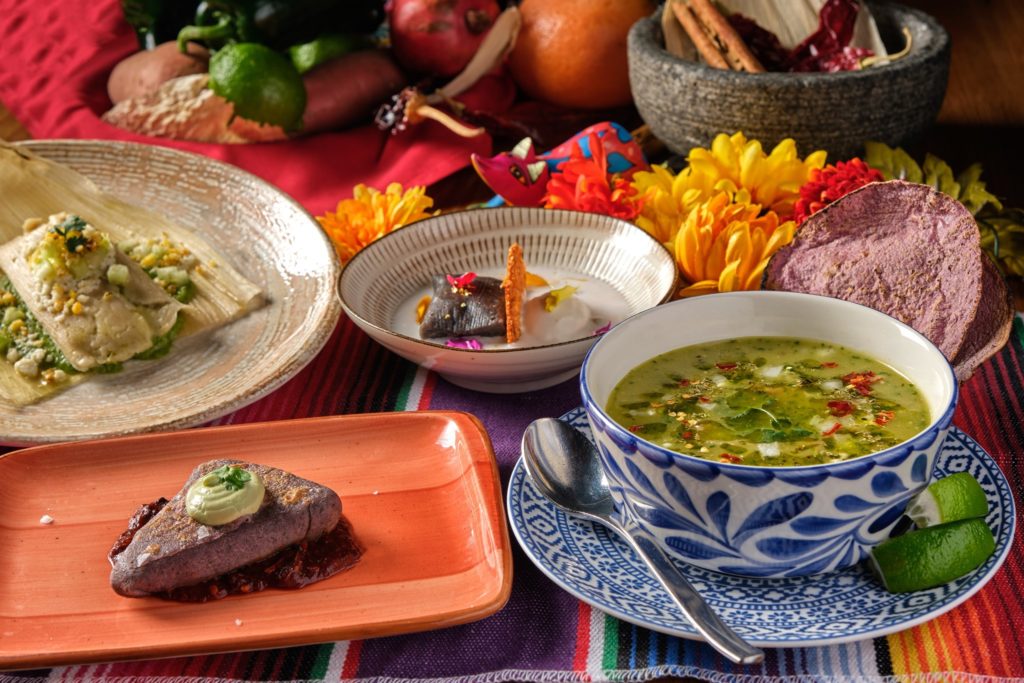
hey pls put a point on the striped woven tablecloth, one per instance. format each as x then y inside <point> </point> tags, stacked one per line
<point>543,633</point>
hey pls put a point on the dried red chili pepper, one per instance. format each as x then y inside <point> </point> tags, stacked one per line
<point>830,364</point>
<point>725,366</point>
<point>836,22</point>
<point>729,457</point>
<point>636,429</point>
<point>883,417</point>
<point>840,408</point>
<point>684,382</point>
<point>687,435</point>
<point>763,43</point>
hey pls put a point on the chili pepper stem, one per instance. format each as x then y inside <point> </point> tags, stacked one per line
<point>425,111</point>
<point>222,29</point>
<point>908,43</point>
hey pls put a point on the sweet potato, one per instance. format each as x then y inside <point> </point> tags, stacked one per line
<point>145,71</point>
<point>347,90</point>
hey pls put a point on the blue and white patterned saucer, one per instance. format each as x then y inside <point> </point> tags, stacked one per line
<point>592,563</point>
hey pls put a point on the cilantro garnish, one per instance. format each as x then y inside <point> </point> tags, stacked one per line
<point>71,230</point>
<point>234,477</point>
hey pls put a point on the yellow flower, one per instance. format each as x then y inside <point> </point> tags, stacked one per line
<point>734,165</point>
<point>371,214</point>
<point>724,246</point>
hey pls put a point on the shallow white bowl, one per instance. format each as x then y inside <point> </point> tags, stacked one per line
<point>377,285</point>
<point>766,521</point>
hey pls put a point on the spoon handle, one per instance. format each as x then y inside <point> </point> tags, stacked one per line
<point>707,623</point>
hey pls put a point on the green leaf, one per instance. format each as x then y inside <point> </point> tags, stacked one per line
<point>973,193</point>
<point>749,420</point>
<point>939,175</point>
<point>895,164</point>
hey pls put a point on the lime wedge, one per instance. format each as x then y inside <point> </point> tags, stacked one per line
<point>932,556</point>
<point>958,496</point>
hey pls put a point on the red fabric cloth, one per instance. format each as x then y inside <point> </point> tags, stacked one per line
<point>55,57</point>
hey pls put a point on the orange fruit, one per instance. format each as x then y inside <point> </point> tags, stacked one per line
<point>573,52</point>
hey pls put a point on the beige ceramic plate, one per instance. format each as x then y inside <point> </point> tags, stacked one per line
<point>266,235</point>
<point>431,521</point>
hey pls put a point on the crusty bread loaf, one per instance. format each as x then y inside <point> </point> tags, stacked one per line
<point>173,550</point>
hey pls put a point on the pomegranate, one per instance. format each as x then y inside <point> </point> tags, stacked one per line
<point>439,37</point>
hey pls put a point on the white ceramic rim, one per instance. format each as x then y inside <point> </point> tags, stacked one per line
<point>941,421</point>
<point>366,324</point>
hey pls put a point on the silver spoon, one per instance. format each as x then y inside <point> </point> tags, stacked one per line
<point>565,466</point>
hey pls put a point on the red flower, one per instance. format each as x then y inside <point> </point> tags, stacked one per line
<point>830,183</point>
<point>583,184</point>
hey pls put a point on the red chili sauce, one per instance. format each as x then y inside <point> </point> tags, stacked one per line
<point>296,566</point>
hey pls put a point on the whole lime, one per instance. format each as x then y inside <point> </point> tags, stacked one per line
<point>263,85</point>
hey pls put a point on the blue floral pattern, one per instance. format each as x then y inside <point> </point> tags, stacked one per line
<point>840,606</point>
<point>723,517</point>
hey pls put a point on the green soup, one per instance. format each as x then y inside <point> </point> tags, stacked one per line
<point>769,401</point>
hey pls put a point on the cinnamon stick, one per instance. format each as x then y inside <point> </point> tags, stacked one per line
<point>735,49</point>
<point>705,46</point>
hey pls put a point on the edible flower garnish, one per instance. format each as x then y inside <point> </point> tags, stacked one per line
<point>557,296</point>
<point>583,184</point>
<point>461,282</point>
<point>533,280</point>
<point>421,307</point>
<point>371,214</point>
<point>724,246</point>
<point>460,343</point>
<point>830,183</point>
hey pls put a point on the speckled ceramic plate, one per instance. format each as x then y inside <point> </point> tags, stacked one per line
<point>263,233</point>
<point>839,607</point>
<point>622,269</point>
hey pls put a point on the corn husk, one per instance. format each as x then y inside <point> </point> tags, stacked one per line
<point>31,186</point>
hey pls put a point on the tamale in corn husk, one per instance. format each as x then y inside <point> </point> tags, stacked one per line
<point>33,187</point>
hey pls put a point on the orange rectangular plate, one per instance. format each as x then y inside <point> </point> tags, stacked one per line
<point>421,490</point>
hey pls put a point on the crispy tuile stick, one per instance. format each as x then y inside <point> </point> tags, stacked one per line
<point>705,46</point>
<point>514,285</point>
<point>736,51</point>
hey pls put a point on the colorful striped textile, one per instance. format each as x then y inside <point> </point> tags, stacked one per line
<point>544,634</point>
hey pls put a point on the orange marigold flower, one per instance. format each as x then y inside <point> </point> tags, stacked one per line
<point>583,184</point>
<point>830,183</point>
<point>371,214</point>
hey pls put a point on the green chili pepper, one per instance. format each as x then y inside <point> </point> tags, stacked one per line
<point>278,23</point>
<point>307,56</point>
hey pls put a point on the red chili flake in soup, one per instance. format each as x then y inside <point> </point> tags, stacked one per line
<point>780,403</point>
<point>861,381</point>
<point>840,408</point>
<point>832,430</point>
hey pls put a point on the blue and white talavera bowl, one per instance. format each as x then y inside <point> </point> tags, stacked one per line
<point>765,521</point>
